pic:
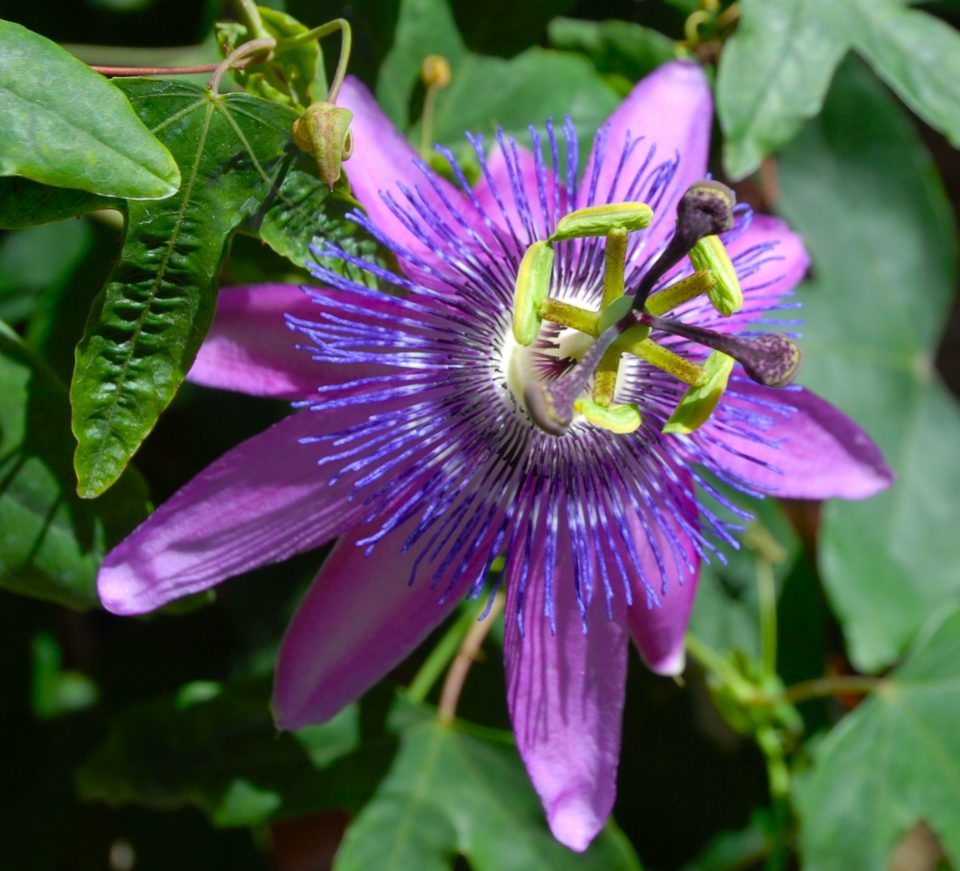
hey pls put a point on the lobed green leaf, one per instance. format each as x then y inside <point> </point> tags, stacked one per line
<point>892,763</point>
<point>51,542</point>
<point>860,187</point>
<point>454,792</point>
<point>915,54</point>
<point>774,73</point>
<point>148,322</point>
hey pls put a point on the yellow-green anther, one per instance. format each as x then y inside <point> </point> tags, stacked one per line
<point>710,254</point>
<point>532,287</point>
<point>680,292</point>
<point>698,403</point>
<point>600,220</point>
<point>664,359</point>
<point>620,419</point>
<point>568,315</point>
<point>614,258</point>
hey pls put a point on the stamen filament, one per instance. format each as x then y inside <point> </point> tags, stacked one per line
<point>568,315</point>
<point>663,358</point>
<point>614,259</point>
<point>682,291</point>
<point>605,378</point>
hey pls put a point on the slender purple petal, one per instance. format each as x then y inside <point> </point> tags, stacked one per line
<point>382,157</point>
<point>250,348</point>
<point>566,694</point>
<point>359,619</point>
<point>259,503</point>
<point>815,452</point>
<point>670,109</point>
<point>658,630</point>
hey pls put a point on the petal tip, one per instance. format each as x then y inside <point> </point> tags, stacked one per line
<point>120,591</point>
<point>574,823</point>
<point>671,665</point>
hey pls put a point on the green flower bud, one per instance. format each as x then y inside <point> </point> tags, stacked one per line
<point>324,131</point>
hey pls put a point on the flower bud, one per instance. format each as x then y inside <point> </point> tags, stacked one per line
<point>324,131</point>
<point>435,71</point>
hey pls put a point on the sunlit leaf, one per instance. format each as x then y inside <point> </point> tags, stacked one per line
<point>892,763</point>
<point>774,73</point>
<point>63,124</point>
<point>293,76</point>
<point>147,324</point>
<point>452,792</point>
<point>860,187</point>
<point>917,55</point>
<point>51,542</point>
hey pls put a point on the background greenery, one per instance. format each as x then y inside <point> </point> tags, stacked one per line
<point>148,743</point>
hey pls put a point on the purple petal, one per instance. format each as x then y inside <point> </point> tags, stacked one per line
<point>814,452</point>
<point>658,629</point>
<point>359,619</point>
<point>670,109</point>
<point>381,158</point>
<point>251,350</point>
<point>260,503</point>
<point>566,694</point>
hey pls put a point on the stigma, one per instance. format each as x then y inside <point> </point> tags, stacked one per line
<point>597,340</point>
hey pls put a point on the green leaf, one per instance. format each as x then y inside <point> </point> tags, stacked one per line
<point>424,27</point>
<point>915,54</point>
<point>487,92</point>
<point>774,73</point>
<point>214,746</point>
<point>860,187</point>
<point>36,259</point>
<point>453,792</point>
<point>51,542</point>
<point>25,203</point>
<point>619,49</point>
<point>63,124</point>
<point>726,612</point>
<point>775,70</point>
<point>147,324</point>
<point>893,762</point>
<point>302,208</point>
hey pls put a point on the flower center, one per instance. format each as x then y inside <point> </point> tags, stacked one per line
<point>597,340</point>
